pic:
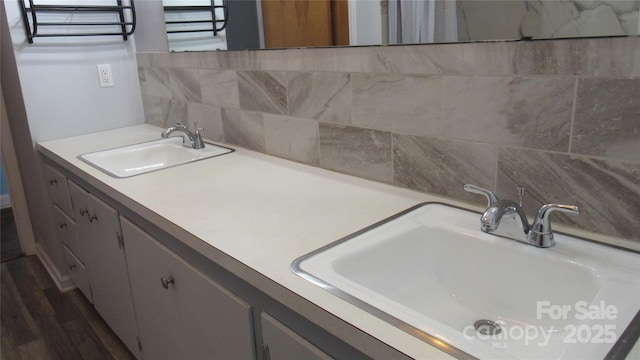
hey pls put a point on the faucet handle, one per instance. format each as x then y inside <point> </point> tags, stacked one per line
<point>540,233</point>
<point>491,197</point>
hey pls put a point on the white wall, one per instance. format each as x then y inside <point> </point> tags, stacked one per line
<point>60,83</point>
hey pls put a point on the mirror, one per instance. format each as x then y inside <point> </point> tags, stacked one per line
<point>262,24</point>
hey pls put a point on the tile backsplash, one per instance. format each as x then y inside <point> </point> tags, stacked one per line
<point>560,118</point>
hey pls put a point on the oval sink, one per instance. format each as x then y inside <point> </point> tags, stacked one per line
<point>433,273</point>
<point>149,156</point>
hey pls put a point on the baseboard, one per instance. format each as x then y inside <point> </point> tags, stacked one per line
<point>63,283</point>
<point>5,201</point>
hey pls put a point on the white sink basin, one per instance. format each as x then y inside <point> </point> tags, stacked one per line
<point>433,273</point>
<point>149,156</point>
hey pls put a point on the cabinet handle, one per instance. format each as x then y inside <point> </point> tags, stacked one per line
<point>83,211</point>
<point>53,181</point>
<point>93,217</point>
<point>166,282</point>
<point>62,225</point>
<point>72,266</point>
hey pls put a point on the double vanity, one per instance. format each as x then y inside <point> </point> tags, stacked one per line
<point>228,253</point>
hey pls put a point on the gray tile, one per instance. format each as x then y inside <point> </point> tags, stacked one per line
<point>607,192</point>
<point>426,59</point>
<point>588,57</point>
<point>394,102</point>
<point>320,96</point>
<point>442,167</point>
<point>174,111</point>
<point>607,118</point>
<point>244,128</point>
<point>207,117</point>
<point>292,138</point>
<point>220,88</point>
<point>527,112</point>
<point>157,82</point>
<point>361,152</point>
<point>263,91</point>
<point>185,84</point>
<point>153,110</point>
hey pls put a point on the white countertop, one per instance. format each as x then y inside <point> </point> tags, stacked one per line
<point>247,210</point>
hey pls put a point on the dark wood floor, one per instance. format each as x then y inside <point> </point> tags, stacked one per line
<point>39,322</point>
<point>9,241</point>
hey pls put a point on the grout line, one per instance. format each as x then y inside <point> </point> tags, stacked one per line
<point>573,115</point>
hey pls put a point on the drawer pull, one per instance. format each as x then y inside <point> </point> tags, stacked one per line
<point>93,218</point>
<point>72,266</point>
<point>53,181</point>
<point>83,211</point>
<point>166,282</point>
<point>62,225</point>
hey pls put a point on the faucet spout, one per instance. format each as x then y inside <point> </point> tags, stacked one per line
<point>189,139</point>
<point>507,219</point>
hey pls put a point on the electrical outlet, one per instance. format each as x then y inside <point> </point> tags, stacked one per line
<point>104,75</point>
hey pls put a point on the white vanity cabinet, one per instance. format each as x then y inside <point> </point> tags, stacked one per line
<point>183,314</point>
<point>100,239</point>
<point>281,343</point>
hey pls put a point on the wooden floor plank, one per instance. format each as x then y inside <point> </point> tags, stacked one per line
<point>114,345</point>
<point>38,322</point>
<point>86,341</point>
<point>65,310</point>
<point>29,291</point>
<point>39,273</point>
<point>56,339</point>
<point>17,322</point>
<point>35,350</point>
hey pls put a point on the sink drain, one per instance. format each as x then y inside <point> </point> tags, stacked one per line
<point>487,327</point>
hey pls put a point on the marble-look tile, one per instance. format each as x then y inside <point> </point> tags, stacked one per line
<point>494,58</point>
<point>143,59</point>
<point>442,167</point>
<point>587,57</point>
<point>263,91</point>
<point>361,152</point>
<point>220,88</point>
<point>394,102</point>
<point>426,58</point>
<point>157,82</point>
<point>152,110</point>
<point>527,112</point>
<point>320,96</point>
<point>185,84</point>
<point>607,118</point>
<point>207,117</point>
<point>607,192</point>
<point>292,138</point>
<point>244,128</point>
<point>174,111</point>
<point>160,59</point>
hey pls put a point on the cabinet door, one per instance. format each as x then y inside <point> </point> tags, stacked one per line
<point>183,314</point>
<point>78,273</point>
<point>106,267</point>
<point>57,185</point>
<point>281,343</point>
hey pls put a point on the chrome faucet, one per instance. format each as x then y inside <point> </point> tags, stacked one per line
<point>189,139</point>
<point>507,219</point>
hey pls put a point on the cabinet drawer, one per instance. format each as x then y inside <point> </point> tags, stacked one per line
<point>67,230</point>
<point>78,273</point>
<point>57,185</point>
<point>281,343</point>
<point>182,314</point>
